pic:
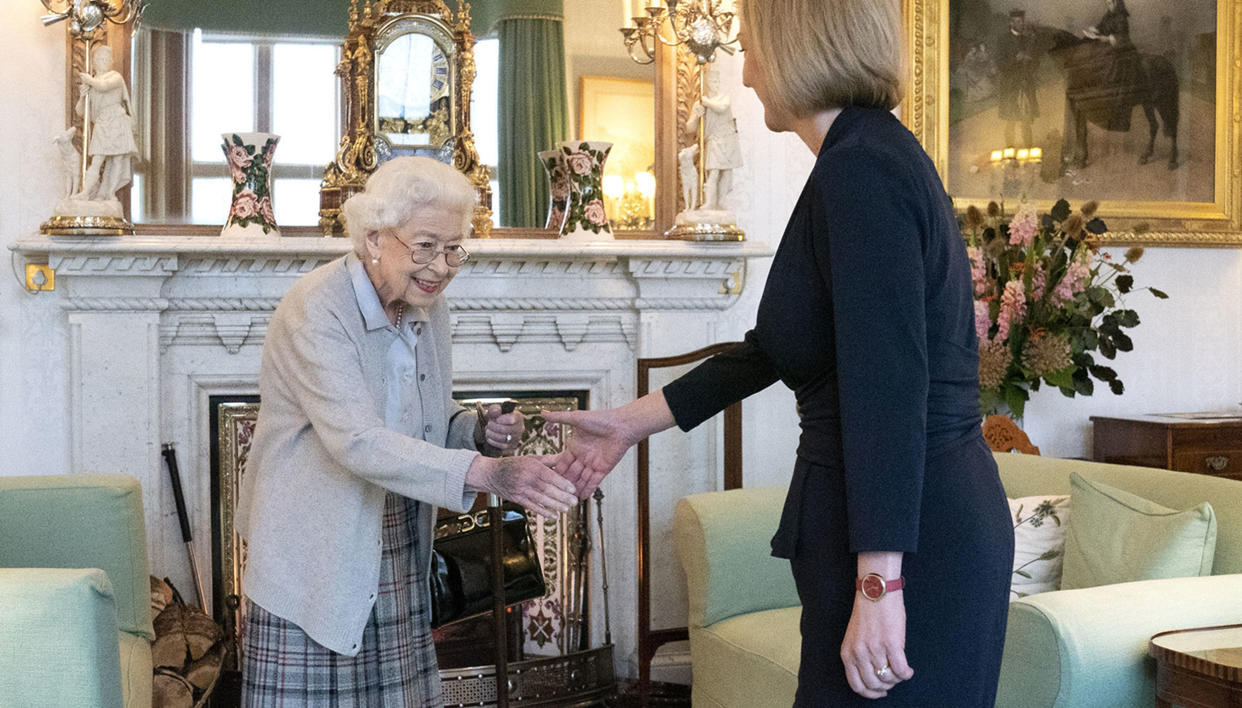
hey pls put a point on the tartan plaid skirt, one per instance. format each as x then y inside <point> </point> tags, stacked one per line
<point>396,665</point>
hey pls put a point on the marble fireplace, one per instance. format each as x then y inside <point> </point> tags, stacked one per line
<point>159,325</point>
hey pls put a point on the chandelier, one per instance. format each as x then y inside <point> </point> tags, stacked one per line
<point>86,16</point>
<point>698,24</point>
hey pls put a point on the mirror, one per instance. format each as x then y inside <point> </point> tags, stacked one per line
<point>413,93</point>
<point>178,190</point>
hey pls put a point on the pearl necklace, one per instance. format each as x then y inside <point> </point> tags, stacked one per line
<point>400,314</point>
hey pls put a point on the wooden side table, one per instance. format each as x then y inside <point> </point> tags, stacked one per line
<point>1198,668</point>
<point>1205,443</point>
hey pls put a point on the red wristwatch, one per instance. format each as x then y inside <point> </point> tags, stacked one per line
<point>874,587</point>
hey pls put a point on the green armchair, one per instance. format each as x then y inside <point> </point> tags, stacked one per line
<point>1083,648</point>
<point>75,599</point>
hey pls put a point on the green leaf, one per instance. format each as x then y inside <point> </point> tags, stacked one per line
<point>1107,349</point>
<point>1015,398</point>
<point>1123,342</point>
<point>1061,379</point>
<point>1127,318</point>
<point>1060,210</point>
<point>1023,573</point>
<point>1090,339</point>
<point>1159,293</point>
<point>1100,296</point>
<point>1083,385</point>
<point>1117,387</point>
<point>1052,553</point>
<point>1103,373</point>
<point>237,140</point>
<point>1067,392</point>
<point>1096,226</point>
<point>1125,283</point>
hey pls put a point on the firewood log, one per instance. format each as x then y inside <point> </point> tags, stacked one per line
<point>169,651</point>
<point>203,672</point>
<point>161,595</point>
<point>171,691</point>
<point>201,633</point>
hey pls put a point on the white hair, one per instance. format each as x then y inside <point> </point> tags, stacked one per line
<point>399,190</point>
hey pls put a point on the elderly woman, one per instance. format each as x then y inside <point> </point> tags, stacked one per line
<point>358,441</point>
<point>896,524</point>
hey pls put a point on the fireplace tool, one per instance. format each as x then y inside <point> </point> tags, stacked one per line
<point>170,458</point>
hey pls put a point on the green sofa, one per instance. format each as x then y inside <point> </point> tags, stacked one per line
<point>1063,649</point>
<point>75,598</point>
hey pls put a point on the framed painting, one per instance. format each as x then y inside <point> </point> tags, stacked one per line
<point>622,112</point>
<point>1134,103</point>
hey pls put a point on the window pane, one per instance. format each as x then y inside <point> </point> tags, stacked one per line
<point>304,103</point>
<point>483,104</point>
<point>222,98</point>
<point>296,202</point>
<point>210,198</point>
<point>136,213</point>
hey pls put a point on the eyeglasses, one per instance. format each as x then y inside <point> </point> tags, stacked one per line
<point>424,252</point>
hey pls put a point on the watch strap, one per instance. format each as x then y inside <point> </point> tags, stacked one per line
<point>868,585</point>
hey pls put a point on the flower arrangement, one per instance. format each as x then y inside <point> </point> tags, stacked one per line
<point>1046,300</point>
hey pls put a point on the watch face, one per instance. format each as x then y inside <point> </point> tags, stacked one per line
<point>872,587</point>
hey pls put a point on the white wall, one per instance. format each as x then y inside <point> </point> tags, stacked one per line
<point>33,368</point>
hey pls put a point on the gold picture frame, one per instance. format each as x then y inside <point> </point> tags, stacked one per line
<point>622,112</point>
<point>1215,221</point>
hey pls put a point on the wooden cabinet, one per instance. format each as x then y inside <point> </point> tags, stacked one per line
<point>1201,443</point>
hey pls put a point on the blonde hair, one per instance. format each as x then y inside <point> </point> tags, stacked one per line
<point>401,188</point>
<point>824,54</point>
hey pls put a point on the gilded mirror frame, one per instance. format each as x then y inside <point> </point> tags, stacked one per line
<point>1215,223</point>
<point>676,81</point>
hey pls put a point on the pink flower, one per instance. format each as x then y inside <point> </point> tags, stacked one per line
<point>239,159</point>
<point>1013,306</point>
<point>1023,226</point>
<point>982,320</point>
<point>1039,279</point>
<point>1073,283</point>
<point>268,153</point>
<point>594,212</point>
<point>265,208</point>
<point>978,271</point>
<point>245,205</point>
<point>580,162</point>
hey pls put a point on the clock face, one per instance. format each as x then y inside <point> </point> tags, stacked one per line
<point>873,587</point>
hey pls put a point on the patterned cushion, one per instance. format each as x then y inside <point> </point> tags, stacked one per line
<point>1039,543</point>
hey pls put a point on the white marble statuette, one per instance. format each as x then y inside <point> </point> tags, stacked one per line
<point>721,154</point>
<point>90,204</point>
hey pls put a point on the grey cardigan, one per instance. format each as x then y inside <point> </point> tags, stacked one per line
<point>321,462</point>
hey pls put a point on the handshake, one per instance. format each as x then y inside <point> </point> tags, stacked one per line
<point>551,484</point>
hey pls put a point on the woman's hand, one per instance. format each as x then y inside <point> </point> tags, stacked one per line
<point>503,431</point>
<point>526,480</point>
<point>874,648</point>
<point>875,640</point>
<point>598,443</point>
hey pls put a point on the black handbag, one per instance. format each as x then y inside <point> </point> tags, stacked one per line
<point>461,565</point>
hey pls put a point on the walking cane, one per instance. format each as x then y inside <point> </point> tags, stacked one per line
<point>170,458</point>
<point>495,517</point>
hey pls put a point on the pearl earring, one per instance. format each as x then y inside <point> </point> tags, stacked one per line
<point>374,261</point>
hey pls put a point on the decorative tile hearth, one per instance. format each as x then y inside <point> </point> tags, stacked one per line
<point>158,325</point>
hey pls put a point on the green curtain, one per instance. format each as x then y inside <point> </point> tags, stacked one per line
<point>303,18</point>
<point>533,113</point>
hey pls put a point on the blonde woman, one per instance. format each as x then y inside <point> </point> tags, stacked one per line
<point>896,525</point>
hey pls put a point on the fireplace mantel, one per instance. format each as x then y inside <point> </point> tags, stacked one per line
<point>156,325</point>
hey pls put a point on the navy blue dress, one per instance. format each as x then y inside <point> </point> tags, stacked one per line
<point>867,315</point>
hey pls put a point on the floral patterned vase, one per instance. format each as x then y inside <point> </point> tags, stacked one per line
<point>249,156</point>
<point>558,187</point>
<point>585,219</point>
